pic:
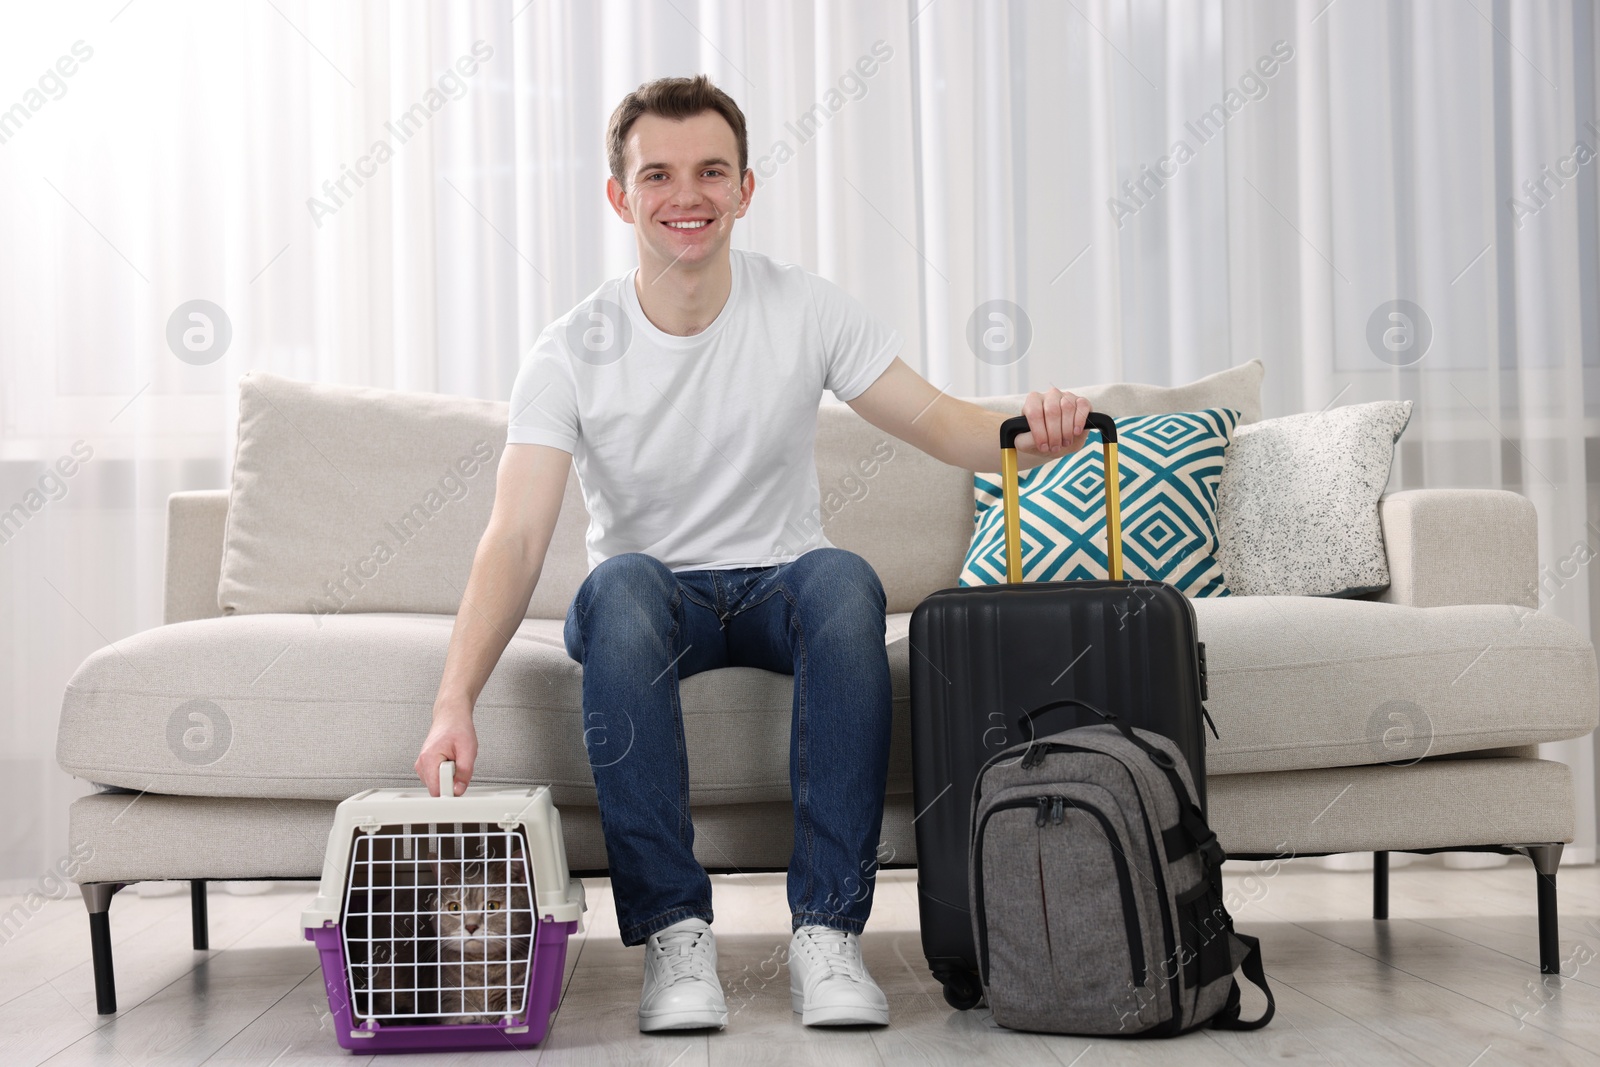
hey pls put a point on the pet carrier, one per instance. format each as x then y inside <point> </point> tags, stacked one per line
<point>442,922</point>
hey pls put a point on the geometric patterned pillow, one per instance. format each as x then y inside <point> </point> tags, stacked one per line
<point>1170,468</point>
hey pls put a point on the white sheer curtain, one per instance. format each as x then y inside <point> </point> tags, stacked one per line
<point>928,155</point>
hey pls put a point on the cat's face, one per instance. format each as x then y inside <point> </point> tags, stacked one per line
<point>476,914</point>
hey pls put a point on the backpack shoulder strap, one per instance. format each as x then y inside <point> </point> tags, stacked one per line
<point>1228,1017</point>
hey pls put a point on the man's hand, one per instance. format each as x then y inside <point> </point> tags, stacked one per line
<point>1055,423</point>
<point>452,738</point>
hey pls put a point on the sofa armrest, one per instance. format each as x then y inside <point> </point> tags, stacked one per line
<point>1460,546</point>
<point>196,521</point>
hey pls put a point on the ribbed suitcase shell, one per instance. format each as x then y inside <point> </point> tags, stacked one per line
<point>982,657</point>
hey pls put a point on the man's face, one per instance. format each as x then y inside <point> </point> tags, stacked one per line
<point>683,189</point>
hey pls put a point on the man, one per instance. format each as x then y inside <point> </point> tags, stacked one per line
<point>687,393</point>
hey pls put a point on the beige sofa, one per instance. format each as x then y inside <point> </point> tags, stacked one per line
<point>296,667</point>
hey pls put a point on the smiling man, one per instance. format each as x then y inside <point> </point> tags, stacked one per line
<point>686,391</point>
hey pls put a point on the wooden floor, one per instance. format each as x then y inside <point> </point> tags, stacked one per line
<point>1451,979</point>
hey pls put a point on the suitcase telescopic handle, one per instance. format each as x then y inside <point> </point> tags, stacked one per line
<point>1016,426</point>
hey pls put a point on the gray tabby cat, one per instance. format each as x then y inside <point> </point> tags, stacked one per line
<point>485,939</point>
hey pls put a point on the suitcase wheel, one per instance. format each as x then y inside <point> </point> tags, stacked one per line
<point>962,992</point>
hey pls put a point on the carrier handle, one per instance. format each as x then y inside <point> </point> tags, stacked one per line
<point>1017,425</point>
<point>447,778</point>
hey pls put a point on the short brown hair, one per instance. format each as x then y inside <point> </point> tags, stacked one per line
<point>673,98</point>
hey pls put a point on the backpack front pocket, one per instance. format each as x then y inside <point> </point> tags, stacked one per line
<point>1057,915</point>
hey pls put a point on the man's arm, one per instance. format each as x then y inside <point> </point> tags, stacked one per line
<point>904,403</point>
<point>527,500</point>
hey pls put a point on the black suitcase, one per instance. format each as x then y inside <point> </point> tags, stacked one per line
<point>994,666</point>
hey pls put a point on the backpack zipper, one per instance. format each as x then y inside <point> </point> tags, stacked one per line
<point>1053,810</point>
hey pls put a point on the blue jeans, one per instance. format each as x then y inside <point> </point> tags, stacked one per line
<point>638,628</point>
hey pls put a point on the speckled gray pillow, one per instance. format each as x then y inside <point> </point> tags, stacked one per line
<point>1297,510</point>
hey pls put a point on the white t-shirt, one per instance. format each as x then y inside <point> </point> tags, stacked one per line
<point>698,450</point>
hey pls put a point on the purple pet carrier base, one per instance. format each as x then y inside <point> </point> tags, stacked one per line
<point>525,1031</point>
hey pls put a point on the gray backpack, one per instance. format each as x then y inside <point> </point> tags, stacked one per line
<point>1096,891</point>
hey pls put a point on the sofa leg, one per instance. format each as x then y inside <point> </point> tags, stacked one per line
<point>197,911</point>
<point>97,898</point>
<point>1380,885</point>
<point>1546,858</point>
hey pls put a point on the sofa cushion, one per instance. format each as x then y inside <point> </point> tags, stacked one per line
<point>276,706</point>
<point>1301,682</point>
<point>280,706</point>
<point>350,500</point>
<point>904,512</point>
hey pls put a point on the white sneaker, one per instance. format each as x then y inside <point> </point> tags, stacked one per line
<point>681,989</point>
<point>829,984</point>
